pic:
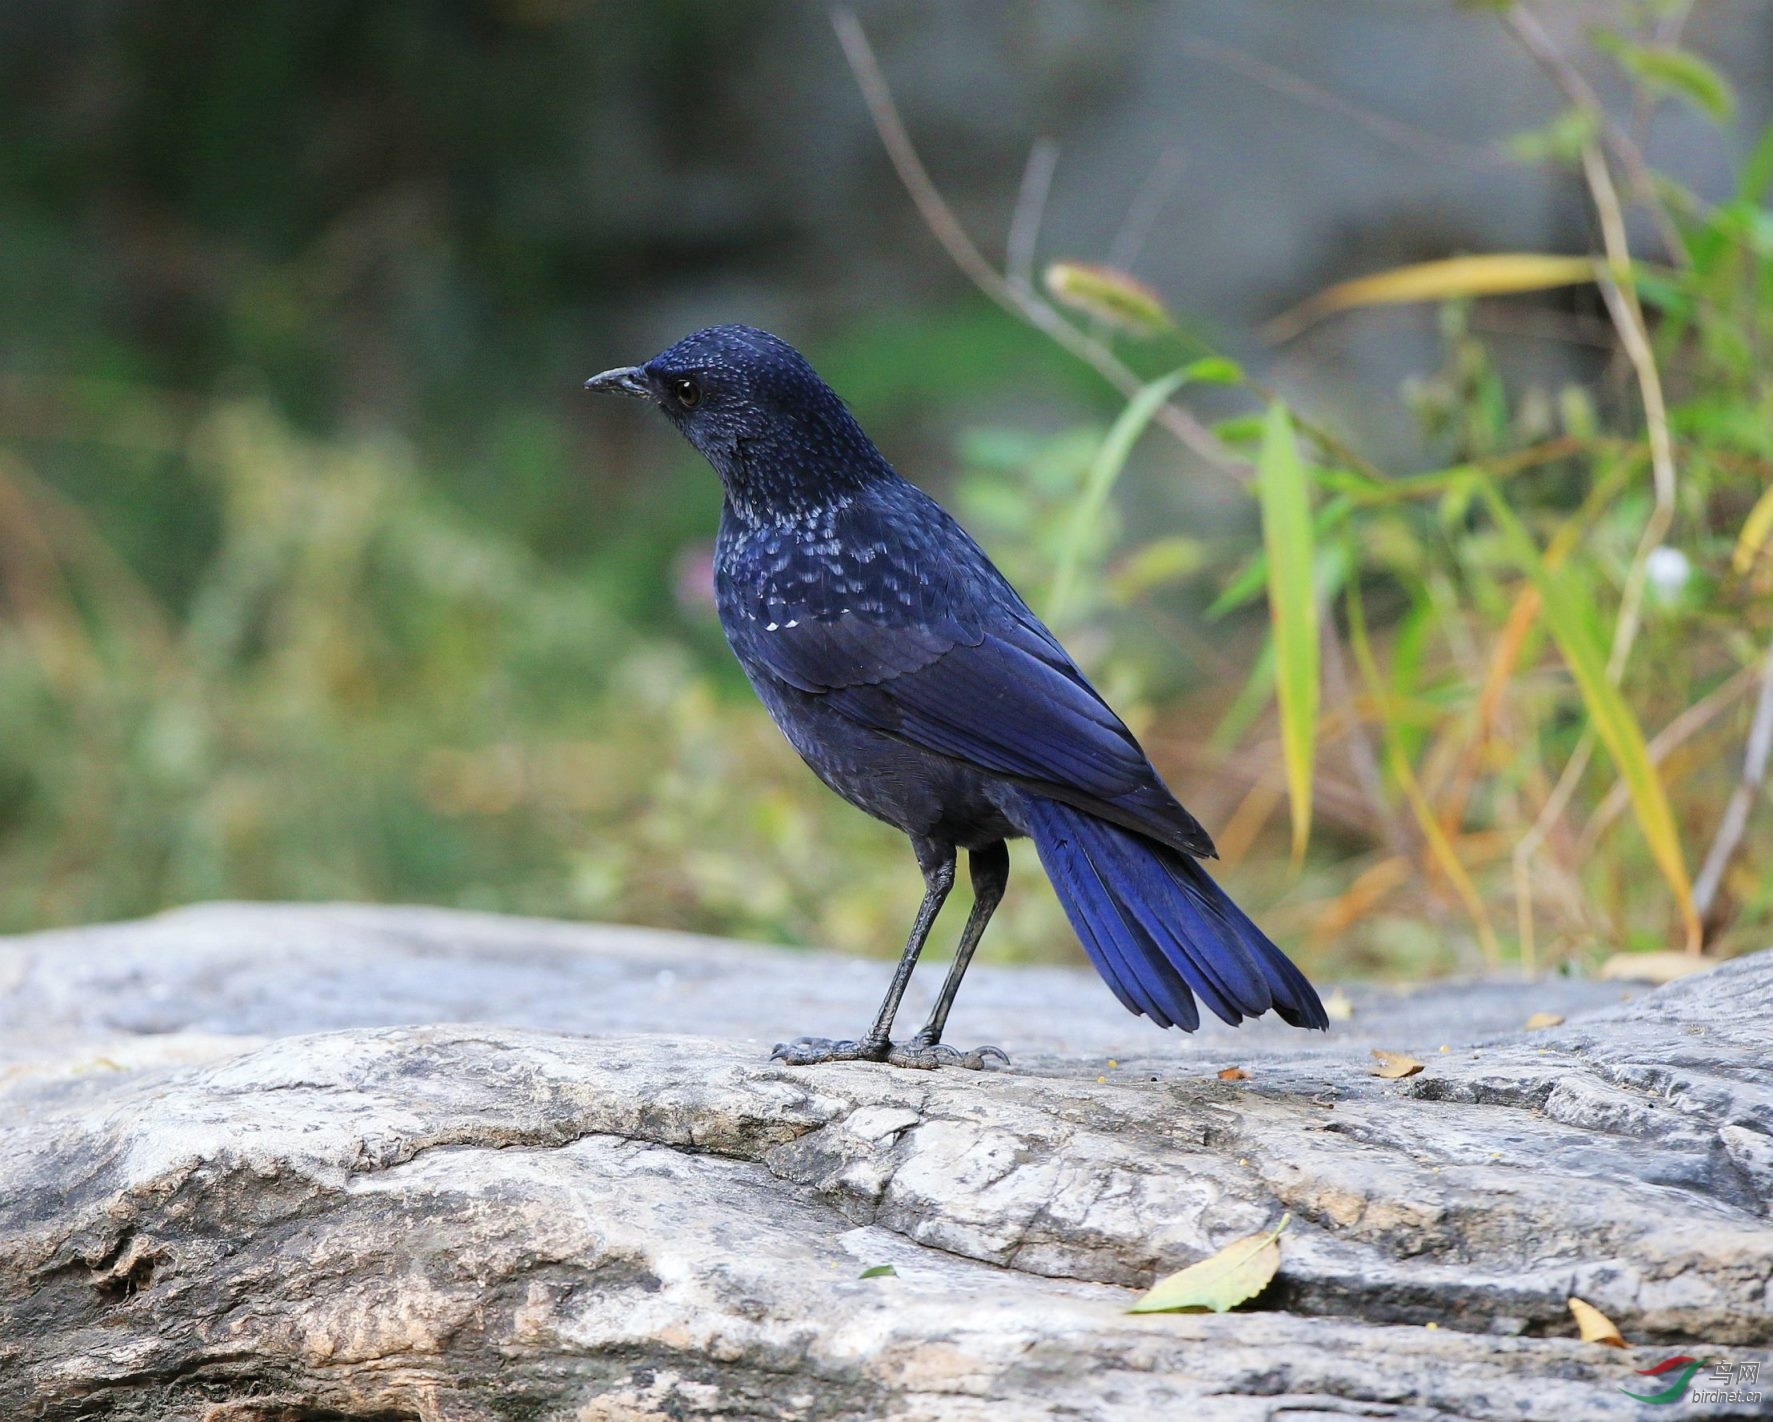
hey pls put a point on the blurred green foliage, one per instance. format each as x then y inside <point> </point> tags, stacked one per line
<point>254,643</point>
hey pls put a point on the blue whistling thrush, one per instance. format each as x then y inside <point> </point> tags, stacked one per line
<point>916,683</point>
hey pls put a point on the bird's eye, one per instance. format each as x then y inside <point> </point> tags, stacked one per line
<point>688,393</point>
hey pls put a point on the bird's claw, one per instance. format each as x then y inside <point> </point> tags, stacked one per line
<point>810,1051</point>
<point>927,1056</point>
<point>918,1055</point>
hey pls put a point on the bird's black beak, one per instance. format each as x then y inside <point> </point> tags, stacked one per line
<point>628,380</point>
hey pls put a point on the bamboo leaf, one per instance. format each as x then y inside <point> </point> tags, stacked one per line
<point>1573,626</point>
<point>1237,1273</point>
<point>1292,606</point>
<point>1492,274</point>
<point>1672,71</point>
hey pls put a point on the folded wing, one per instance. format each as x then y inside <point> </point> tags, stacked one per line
<point>999,694</point>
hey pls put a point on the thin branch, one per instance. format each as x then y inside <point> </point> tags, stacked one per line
<point>1668,30</point>
<point>1135,227</point>
<point>1580,93</point>
<point>1031,205</point>
<point>962,251</point>
<point>1628,318</point>
<point>1401,135</point>
<point>1735,822</point>
<point>1148,204</point>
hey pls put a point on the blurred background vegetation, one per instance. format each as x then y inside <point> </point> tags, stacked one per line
<point>318,581</point>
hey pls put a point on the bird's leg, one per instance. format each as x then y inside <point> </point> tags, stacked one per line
<point>991,873</point>
<point>937,862</point>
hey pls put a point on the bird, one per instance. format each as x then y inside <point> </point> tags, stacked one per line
<point>916,683</point>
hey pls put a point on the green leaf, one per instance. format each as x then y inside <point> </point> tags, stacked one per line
<point>1560,141</point>
<point>1105,470</point>
<point>1292,607</point>
<point>1236,1274</point>
<point>1678,72</point>
<point>1250,702</point>
<point>1575,627</point>
<point>1163,560</point>
<point>1252,577</point>
<point>879,1271</point>
<point>1239,429</point>
<point>1757,170</point>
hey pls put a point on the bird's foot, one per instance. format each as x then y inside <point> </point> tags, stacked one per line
<point>810,1051</point>
<point>927,1056</point>
<point>919,1054</point>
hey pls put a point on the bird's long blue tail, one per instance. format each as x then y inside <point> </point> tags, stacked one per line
<point>1159,929</point>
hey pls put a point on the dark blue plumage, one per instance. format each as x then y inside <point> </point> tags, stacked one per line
<point>909,675</point>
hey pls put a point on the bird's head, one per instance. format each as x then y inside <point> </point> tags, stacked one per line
<point>755,409</point>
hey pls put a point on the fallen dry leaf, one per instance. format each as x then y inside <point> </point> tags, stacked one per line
<point>1393,1065</point>
<point>1337,1007</point>
<point>1652,967</point>
<point>1594,1325</point>
<point>1219,1282</point>
<point>1234,1074</point>
<point>1539,1021</point>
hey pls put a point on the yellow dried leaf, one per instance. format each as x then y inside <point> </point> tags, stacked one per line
<point>1494,274</point>
<point>1337,1006</point>
<point>1539,1021</point>
<point>1756,529</point>
<point>1393,1065</point>
<point>1234,1074</point>
<point>1237,1273</point>
<point>1594,1325</point>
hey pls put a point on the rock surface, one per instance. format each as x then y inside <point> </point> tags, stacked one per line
<point>242,1178</point>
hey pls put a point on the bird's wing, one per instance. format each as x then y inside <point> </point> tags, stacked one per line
<point>999,694</point>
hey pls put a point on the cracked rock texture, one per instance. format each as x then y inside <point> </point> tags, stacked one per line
<point>245,1176</point>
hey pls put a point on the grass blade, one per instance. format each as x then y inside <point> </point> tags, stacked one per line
<point>1440,847</point>
<point>1573,626</point>
<point>1292,607</point>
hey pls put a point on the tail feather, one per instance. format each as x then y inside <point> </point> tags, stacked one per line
<point>1159,929</point>
<point>1113,944</point>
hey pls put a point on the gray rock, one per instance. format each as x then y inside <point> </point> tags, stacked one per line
<point>240,1178</point>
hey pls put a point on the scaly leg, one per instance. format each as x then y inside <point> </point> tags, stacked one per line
<point>991,873</point>
<point>937,862</point>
